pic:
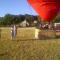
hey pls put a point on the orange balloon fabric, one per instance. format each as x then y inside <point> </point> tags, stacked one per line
<point>46,9</point>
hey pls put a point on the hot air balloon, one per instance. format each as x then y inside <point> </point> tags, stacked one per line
<point>46,9</point>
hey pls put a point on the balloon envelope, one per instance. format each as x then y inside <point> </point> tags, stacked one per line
<point>47,9</point>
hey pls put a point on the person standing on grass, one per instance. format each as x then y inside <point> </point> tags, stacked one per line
<point>0,33</point>
<point>14,31</point>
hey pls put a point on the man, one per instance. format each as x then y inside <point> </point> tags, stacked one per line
<point>14,31</point>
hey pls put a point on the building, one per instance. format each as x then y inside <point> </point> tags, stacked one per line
<point>24,24</point>
<point>57,26</point>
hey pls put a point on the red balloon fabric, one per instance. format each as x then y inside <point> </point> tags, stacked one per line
<point>47,9</point>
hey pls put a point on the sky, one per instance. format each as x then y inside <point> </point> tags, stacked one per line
<point>15,7</point>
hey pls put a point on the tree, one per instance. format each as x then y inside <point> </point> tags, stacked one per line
<point>8,19</point>
<point>29,19</point>
<point>57,19</point>
<point>12,19</point>
<point>1,21</point>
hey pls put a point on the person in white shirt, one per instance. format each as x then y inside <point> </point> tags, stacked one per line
<point>14,31</point>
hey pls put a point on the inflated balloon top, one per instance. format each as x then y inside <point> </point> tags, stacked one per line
<point>47,9</point>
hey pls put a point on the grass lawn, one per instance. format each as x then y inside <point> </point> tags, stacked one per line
<point>28,49</point>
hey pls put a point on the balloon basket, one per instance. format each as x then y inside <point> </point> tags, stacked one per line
<point>45,34</point>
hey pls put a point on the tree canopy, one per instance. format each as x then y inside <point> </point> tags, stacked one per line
<point>10,19</point>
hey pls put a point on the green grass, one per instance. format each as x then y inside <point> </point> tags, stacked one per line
<point>30,50</point>
<point>22,33</point>
<point>25,33</point>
